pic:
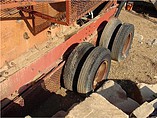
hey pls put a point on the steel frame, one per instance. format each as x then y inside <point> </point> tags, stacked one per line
<point>27,6</point>
<point>40,67</point>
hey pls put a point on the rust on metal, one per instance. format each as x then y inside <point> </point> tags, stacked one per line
<point>52,84</point>
<point>126,45</point>
<point>44,16</point>
<point>101,74</point>
<point>73,9</point>
<point>7,4</point>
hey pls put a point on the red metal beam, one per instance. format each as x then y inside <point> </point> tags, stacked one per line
<point>54,75</point>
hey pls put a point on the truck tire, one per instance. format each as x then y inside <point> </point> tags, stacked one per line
<point>122,42</point>
<point>95,69</point>
<point>108,32</point>
<point>73,64</point>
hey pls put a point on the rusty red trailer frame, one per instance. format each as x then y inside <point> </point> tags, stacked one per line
<point>40,68</point>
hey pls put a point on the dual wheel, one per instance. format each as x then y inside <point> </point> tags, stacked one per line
<point>88,66</point>
<point>117,37</point>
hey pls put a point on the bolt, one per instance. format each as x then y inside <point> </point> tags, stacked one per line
<point>12,63</point>
<point>25,36</point>
<point>6,73</point>
<point>48,33</point>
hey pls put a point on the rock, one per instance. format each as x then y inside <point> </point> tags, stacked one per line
<point>139,37</point>
<point>96,106</point>
<point>128,106</point>
<point>61,91</point>
<point>112,92</point>
<point>60,114</point>
<point>152,42</point>
<point>144,110</point>
<point>148,92</point>
<point>28,116</point>
<point>149,43</point>
<point>117,96</point>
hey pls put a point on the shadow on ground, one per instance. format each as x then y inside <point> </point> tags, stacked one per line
<point>40,103</point>
<point>43,103</point>
<point>145,8</point>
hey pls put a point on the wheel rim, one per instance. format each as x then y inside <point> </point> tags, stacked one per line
<point>126,45</point>
<point>101,74</point>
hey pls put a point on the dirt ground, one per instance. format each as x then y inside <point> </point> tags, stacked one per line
<point>141,64</point>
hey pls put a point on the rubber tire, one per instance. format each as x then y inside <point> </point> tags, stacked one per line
<point>108,32</point>
<point>72,63</point>
<point>90,67</point>
<point>119,42</point>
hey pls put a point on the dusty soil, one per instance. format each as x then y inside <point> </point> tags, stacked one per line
<point>141,64</point>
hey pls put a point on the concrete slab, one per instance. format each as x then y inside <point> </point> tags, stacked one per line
<point>145,109</point>
<point>96,106</point>
<point>114,93</point>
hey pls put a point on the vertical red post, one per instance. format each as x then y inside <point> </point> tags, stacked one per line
<point>68,11</point>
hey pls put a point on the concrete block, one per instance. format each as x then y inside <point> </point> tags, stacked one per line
<point>144,110</point>
<point>96,106</point>
<point>117,96</point>
<point>112,92</point>
<point>128,106</point>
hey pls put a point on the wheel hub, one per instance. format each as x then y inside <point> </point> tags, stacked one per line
<point>101,74</point>
<point>126,45</point>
